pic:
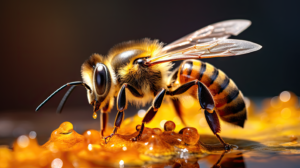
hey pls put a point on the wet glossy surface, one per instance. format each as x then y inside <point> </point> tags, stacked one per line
<point>270,139</point>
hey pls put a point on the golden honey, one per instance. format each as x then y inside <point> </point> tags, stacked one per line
<point>165,140</point>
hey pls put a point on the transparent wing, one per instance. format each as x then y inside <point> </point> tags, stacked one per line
<point>217,31</point>
<point>218,48</point>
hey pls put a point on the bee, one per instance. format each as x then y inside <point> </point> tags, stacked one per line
<point>140,72</point>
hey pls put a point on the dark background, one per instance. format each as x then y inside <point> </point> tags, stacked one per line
<point>43,45</point>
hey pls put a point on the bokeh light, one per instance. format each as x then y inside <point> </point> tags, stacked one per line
<point>57,163</point>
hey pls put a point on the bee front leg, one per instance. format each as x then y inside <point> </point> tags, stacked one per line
<point>118,121</point>
<point>121,106</point>
<point>103,119</point>
<point>151,112</point>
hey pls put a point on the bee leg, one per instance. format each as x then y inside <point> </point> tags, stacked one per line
<point>206,102</point>
<point>214,124</point>
<point>104,119</point>
<point>151,112</point>
<point>178,109</point>
<point>118,121</point>
<point>217,164</point>
<point>121,106</point>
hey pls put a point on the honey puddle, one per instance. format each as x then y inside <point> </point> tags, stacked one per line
<point>270,138</point>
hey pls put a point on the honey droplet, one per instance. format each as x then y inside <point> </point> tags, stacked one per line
<point>169,126</point>
<point>95,115</point>
<point>190,135</point>
<point>156,131</point>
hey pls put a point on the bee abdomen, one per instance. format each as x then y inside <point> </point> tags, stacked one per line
<point>228,99</point>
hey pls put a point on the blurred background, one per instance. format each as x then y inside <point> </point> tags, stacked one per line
<point>43,45</point>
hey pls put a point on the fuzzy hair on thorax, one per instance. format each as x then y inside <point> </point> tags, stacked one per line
<point>147,80</point>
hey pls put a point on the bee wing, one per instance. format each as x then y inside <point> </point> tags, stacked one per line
<point>217,31</point>
<point>218,48</point>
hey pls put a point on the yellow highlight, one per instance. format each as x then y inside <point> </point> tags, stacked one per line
<point>286,113</point>
<point>275,102</point>
<point>94,115</point>
<point>188,102</point>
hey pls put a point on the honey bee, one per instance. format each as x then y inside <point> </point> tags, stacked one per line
<point>143,68</point>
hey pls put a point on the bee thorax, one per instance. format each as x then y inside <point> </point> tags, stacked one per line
<point>143,79</point>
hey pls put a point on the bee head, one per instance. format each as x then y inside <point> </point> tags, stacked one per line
<point>96,80</point>
<point>96,74</point>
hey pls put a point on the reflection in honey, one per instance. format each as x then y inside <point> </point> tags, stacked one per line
<point>166,142</point>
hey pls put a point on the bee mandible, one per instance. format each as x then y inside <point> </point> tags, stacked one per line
<point>140,72</point>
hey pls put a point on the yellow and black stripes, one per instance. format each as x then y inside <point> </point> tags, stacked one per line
<point>187,70</point>
<point>202,70</point>
<point>233,95</point>
<point>214,75</point>
<point>229,102</point>
<point>224,84</point>
<point>234,112</point>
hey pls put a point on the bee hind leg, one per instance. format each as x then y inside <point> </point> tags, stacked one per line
<point>217,164</point>
<point>206,102</point>
<point>151,112</point>
<point>178,109</point>
<point>214,124</point>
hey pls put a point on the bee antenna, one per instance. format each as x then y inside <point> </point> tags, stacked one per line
<point>77,83</point>
<point>63,100</point>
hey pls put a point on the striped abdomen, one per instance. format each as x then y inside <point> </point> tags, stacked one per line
<point>229,102</point>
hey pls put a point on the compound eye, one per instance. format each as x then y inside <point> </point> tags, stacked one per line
<point>100,78</point>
